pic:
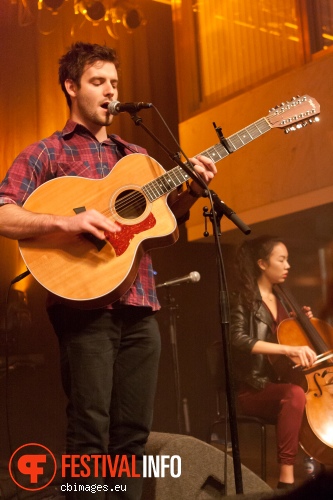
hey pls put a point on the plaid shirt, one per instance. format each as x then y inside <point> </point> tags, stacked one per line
<point>75,151</point>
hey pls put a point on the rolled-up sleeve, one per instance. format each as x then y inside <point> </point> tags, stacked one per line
<point>24,175</point>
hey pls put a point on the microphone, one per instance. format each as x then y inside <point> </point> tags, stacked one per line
<point>193,277</point>
<point>116,107</point>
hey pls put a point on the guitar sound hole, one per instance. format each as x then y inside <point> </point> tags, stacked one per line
<point>130,204</point>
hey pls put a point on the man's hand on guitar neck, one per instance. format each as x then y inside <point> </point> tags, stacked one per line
<point>205,168</point>
<point>180,203</point>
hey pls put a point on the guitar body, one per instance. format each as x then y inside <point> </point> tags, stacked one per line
<point>76,267</point>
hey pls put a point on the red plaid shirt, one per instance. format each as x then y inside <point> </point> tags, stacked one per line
<point>75,151</point>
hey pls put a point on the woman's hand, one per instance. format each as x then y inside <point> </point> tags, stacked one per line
<point>301,355</point>
<point>307,311</point>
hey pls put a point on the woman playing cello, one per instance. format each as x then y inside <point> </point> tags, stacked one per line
<point>256,312</point>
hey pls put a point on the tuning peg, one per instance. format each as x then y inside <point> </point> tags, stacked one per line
<point>316,119</point>
<point>289,129</point>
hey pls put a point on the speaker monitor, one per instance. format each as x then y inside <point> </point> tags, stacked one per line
<point>202,471</point>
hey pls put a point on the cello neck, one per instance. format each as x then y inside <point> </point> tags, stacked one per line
<point>318,343</point>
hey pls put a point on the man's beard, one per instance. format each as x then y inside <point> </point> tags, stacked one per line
<point>94,118</point>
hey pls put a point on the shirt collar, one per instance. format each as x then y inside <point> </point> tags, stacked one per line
<point>71,127</point>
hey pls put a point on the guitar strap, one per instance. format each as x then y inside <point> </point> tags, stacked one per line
<point>122,146</point>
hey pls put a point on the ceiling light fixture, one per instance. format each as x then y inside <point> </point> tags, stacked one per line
<point>132,19</point>
<point>52,5</point>
<point>115,14</point>
<point>93,10</point>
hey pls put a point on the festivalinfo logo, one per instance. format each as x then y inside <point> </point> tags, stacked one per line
<point>33,467</point>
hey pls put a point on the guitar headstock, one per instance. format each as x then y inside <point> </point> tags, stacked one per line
<point>294,114</point>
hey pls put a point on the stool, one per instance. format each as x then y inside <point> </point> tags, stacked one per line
<point>215,360</point>
<point>247,419</point>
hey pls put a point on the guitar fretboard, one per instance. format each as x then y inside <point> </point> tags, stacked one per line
<point>165,183</point>
<point>238,140</point>
<point>175,177</point>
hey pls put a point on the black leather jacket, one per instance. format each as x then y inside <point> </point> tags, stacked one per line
<point>246,328</point>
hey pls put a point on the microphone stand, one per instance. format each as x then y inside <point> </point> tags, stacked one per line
<point>220,209</point>
<point>174,156</point>
<point>172,307</point>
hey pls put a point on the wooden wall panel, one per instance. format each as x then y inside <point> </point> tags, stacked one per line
<point>276,173</point>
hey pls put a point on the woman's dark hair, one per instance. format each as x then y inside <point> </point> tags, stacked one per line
<point>72,64</point>
<point>248,270</point>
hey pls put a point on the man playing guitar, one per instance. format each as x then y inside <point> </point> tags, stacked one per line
<point>109,354</point>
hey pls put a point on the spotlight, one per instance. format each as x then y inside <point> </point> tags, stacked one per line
<point>132,19</point>
<point>129,18</point>
<point>52,5</point>
<point>93,10</point>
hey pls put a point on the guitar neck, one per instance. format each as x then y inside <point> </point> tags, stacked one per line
<point>238,140</point>
<point>176,176</point>
<point>288,116</point>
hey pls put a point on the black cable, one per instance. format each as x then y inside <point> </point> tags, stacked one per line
<point>10,444</point>
<point>6,374</point>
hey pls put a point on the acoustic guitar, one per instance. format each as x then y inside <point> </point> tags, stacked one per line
<point>89,272</point>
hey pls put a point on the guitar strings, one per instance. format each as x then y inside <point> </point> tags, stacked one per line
<point>135,199</point>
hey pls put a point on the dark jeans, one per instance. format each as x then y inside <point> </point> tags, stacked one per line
<point>109,365</point>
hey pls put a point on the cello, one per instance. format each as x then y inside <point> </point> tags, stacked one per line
<point>316,434</point>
